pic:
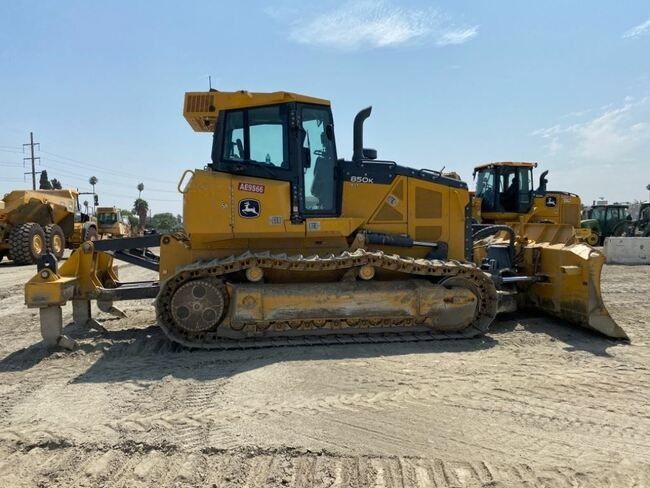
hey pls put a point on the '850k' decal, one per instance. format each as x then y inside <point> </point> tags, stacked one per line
<point>361,179</point>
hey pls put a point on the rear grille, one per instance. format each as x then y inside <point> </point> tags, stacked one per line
<point>198,103</point>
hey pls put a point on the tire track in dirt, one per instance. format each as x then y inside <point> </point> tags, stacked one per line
<point>198,419</point>
<point>131,465</point>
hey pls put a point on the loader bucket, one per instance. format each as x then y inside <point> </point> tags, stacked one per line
<point>570,278</point>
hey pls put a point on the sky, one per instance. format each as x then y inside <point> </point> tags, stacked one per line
<point>452,83</point>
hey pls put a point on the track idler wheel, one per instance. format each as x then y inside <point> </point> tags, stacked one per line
<point>199,305</point>
<point>482,318</point>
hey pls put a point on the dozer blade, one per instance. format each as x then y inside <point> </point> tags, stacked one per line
<point>570,286</point>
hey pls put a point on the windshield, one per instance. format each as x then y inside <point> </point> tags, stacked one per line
<point>107,218</point>
<point>485,189</point>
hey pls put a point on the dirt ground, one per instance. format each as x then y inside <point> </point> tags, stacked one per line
<point>534,403</point>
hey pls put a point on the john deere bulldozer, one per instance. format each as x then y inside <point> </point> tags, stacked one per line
<point>284,242</point>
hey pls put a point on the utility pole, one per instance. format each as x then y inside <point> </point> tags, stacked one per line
<point>33,159</point>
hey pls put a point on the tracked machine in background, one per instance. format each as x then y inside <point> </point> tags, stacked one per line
<point>284,242</point>
<point>543,227</point>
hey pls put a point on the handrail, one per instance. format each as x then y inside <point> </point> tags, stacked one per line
<point>180,182</point>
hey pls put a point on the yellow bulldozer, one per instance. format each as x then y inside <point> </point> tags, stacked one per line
<point>285,243</point>
<point>35,222</point>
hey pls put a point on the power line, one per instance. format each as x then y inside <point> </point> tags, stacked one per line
<point>64,171</point>
<point>31,145</point>
<point>101,168</point>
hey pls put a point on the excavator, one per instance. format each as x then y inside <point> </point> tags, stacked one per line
<point>285,243</point>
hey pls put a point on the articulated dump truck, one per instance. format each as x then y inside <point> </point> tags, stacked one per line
<point>285,243</point>
<point>35,222</point>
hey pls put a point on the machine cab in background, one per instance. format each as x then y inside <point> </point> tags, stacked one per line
<point>505,194</point>
<point>505,187</point>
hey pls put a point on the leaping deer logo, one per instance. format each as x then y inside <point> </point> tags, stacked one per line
<point>249,208</point>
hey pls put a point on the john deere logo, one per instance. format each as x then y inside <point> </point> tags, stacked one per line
<point>249,208</point>
<point>551,201</point>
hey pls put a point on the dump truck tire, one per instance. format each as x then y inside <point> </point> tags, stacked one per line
<point>26,243</point>
<point>55,240</point>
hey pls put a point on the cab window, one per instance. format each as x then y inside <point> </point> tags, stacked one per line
<point>107,218</point>
<point>508,189</point>
<point>598,213</point>
<point>318,159</point>
<point>613,213</point>
<point>233,149</point>
<point>266,139</point>
<point>257,136</point>
<point>485,190</point>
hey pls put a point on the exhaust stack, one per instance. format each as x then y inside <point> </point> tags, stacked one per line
<point>358,133</point>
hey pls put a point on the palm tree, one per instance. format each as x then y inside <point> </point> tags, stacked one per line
<point>86,206</point>
<point>140,188</point>
<point>648,188</point>
<point>141,207</point>
<point>93,181</point>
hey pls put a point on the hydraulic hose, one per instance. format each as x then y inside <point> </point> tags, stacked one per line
<point>493,229</point>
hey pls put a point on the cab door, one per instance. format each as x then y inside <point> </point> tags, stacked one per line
<point>611,218</point>
<point>319,179</point>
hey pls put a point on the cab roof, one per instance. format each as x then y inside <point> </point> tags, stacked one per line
<point>201,109</point>
<point>515,164</point>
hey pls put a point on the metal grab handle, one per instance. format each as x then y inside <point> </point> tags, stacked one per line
<point>180,182</point>
<point>438,174</point>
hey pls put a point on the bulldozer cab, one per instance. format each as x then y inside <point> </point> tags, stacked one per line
<point>505,187</point>
<point>291,142</point>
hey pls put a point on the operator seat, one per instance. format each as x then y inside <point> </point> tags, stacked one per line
<point>508,198</point>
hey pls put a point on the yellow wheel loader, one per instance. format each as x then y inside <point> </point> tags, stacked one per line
<point>33,222</point>
<point>285,243</point>
<point>111,224</point>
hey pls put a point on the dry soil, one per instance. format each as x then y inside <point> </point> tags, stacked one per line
<point>534,403</point>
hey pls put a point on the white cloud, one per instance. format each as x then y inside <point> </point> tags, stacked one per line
<point>615,134</point>
<point>377,23</point>
<point>637,30</point>
<point>601,153</point>
<point>458,36</point>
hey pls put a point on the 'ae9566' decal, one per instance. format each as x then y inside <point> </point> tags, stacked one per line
<point>251,187</point>
<point>249,208</point>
